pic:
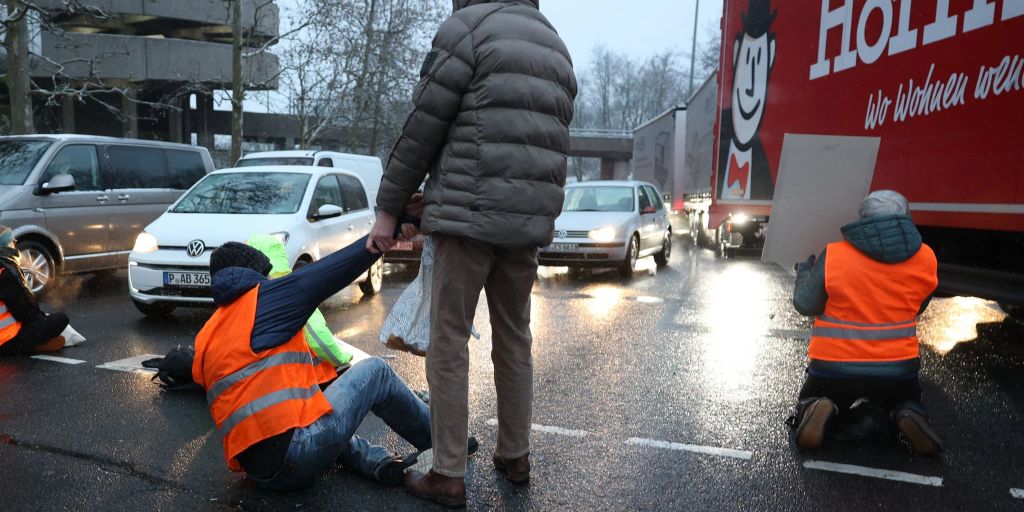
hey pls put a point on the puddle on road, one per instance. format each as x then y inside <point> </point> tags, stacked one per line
<point>949,322</point>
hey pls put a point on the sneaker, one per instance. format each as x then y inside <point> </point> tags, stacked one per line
<point>392,472</point>
<point>923,440</point>
<point>811,431</point>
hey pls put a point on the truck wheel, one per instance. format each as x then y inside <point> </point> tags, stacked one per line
<point>632,254</point>
<point>155,310</point>
<point>666,251</point>
<point>374,279</point>
<point>38,266</point>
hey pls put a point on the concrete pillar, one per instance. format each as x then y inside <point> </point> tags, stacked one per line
<point>289,143</point>
<point>186,119</point>
<point>130,113</point>
<point>67,111</point>
<point>607,169</point>
<point>204,104</point>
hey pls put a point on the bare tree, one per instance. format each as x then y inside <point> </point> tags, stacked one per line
<point>620,93</point>
<point>709,51</point>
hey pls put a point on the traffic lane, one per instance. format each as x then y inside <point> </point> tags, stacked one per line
<point>574,390</point>
<point>718,361</point>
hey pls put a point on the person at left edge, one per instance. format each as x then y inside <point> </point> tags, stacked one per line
<point>262,388</point>
<point>24,328</point>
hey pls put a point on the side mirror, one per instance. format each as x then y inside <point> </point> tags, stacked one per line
<point>648,209</point>
<point>59,183</point>
<point>328,211</point>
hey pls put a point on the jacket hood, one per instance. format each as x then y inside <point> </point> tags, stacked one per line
<point>231,283</point>
<point>888,238</point>
<point>273,249</point>
<point>462,4</point>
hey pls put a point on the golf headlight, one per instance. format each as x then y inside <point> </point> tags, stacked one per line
<point>603,234</point>
<point>145,243</point>
<point>739,218</point>
<point>282,237</point>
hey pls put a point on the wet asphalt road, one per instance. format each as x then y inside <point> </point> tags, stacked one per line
<point>705,352</point>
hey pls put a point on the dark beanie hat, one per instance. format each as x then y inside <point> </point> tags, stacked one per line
<point>234,254</point>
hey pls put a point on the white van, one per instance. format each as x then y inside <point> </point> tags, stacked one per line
<point>368,168</point>
<point>77,202</point>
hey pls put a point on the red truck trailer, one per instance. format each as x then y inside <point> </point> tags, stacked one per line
<point>940,82</point>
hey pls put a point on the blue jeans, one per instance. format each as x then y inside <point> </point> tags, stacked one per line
<point>370,385</point>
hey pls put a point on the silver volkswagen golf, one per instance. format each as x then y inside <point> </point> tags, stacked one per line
<point>610,224</point>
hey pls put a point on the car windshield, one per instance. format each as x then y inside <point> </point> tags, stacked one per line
<point>274,160</point>
<point>598,199</point>
<point>18,158</point>
<point>246,193</point>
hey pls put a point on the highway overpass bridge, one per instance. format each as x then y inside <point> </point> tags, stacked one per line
<point>613,147</point>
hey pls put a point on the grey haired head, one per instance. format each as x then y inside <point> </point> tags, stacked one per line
<point>884,202</point>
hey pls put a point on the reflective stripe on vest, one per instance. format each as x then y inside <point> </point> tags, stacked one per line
<point>9,326</point>
<point>312,335</point>
<point>869,326</point>
<point>254,396</point>
<point>275,360</point>
<point>265,401</point>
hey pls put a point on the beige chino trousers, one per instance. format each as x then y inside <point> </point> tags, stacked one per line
<point>462,268</point>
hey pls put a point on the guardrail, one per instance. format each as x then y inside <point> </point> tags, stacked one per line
<point>594,132</point>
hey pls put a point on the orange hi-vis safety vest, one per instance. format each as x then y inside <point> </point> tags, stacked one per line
<point>869,327</point>
<point>9,327</point>
<point>253,396</point>
<point>325,372</point>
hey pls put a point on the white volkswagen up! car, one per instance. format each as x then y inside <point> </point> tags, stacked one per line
<point>313,210</point>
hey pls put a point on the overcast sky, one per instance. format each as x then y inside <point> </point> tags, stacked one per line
<point>637,27</point>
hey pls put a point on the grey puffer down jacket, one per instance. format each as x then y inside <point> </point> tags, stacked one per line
<point>490,124</point>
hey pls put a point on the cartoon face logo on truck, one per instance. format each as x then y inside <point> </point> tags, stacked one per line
<point>743,168</point>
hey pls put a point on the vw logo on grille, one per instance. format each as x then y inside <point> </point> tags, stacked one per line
<point>195,248</point>
<point>562,233</point>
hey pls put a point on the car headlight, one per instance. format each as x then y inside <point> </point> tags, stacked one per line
<point>603,234</point>
<point>145,243</point>
<point>282,237</point>
<point>739,219</point>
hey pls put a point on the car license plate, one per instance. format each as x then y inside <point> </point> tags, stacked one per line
<point>187,279</point>
<point>563,247</point>
<point>403,246</point>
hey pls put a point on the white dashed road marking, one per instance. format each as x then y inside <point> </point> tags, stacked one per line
<point>1017,493</point>
<point>896,476</point>
<point>706,450</point>
<point>131,364</point>
<point>549,430</point>
<point>55,359</point>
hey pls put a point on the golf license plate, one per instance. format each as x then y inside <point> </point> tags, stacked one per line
<point>563,247</point>
<point>187,279</point>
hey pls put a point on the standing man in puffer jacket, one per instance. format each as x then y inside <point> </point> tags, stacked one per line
<point>866,293</point>
<point>490,125</point>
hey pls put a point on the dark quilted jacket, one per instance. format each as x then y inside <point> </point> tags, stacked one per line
<point>491,126</point>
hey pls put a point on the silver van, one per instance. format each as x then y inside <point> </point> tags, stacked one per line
<point>76,203</point>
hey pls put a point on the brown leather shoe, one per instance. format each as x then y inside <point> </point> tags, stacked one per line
<point>443,490</point>
<point>516,470</point>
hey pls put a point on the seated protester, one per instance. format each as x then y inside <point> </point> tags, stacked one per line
<point>252,360</point>
<point>24,328</point>
<point>867,292</point>
<point>328,355</point>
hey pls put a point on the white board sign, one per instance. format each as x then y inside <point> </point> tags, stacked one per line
<point>822,181</point>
